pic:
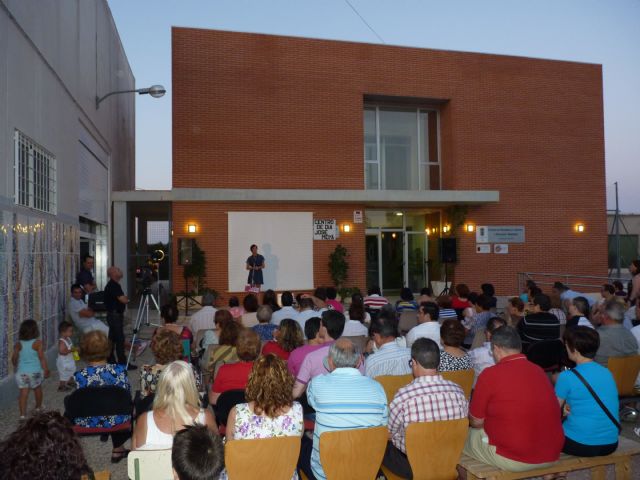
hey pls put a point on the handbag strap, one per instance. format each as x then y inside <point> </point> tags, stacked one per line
<point>597,399</point>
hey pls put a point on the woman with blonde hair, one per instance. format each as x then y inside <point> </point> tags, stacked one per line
<point>176,404</point>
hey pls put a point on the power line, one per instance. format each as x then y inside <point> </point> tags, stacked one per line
<point>364,21</point>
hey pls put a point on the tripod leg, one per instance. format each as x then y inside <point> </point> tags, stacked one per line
<point>139,317</point>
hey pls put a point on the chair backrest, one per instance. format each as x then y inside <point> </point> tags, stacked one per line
<point>144,464</point>
<point>273,458</point>
<point>98,402</point>
<point>434,448</point>
<point>359,341</point>
<point>408,320</point>
<point>625,371</point>
<point>226,401</point>
<point>464,378</point>
<point>393,383</point>
<point>547,354</point>
<point>353,454</point>
<point>479,338</point>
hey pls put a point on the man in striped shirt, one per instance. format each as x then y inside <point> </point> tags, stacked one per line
<point>374,300</point>
<point>343,399</point>
<point>428,398</point>
<point>390,359</point>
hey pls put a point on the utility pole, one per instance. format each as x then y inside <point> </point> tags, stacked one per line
<point>617,232</point>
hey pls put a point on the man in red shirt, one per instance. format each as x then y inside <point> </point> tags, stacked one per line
<point>514,413</point>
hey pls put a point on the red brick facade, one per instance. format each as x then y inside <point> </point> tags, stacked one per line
<point>259,111</point>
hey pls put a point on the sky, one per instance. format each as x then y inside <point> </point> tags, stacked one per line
<point>592,31</point>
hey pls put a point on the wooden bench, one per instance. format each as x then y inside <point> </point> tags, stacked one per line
<point>621,458</point>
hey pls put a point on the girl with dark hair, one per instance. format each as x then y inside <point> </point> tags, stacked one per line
<point>271,300</point>
<point>356,318</point>
<point>406,302</point>
<point>461,299</point>
<point>250,305</point>
<point>30,364</point>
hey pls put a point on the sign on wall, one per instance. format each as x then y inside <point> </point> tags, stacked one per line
<point>500,234</point>
<point>502,248</point>
<point>483,248</point>
<point>325,229</point>
<point>357,216</point>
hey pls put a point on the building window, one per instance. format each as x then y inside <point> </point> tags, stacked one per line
<point>401,149</point>
<point>35,172</point>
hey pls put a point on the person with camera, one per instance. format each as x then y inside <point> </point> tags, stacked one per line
<point>115,302</point>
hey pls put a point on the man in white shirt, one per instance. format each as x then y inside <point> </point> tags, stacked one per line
<point>287,310</point>
<point>390,359</point>
<point>81,314</point>
<point>203,319</point>
<point>481,357</point>
<point>428,326</point>
<point>306,312</point>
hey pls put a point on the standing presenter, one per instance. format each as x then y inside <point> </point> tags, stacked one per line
<point>255,265</point>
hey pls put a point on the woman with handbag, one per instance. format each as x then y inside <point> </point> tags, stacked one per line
<point>588,397</point>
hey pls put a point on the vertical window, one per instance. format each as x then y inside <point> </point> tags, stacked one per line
<point>35,175</point>
<point>401,149</point>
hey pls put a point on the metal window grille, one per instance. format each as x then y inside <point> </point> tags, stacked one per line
<point>35,173</point>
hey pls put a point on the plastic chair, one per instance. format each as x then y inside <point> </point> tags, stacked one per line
<point>226,401</point>
<point>273,458</point>
<point>408,320</point>
<point>101,401</point>
<point>145,464</point>
<point>464,378</point>
<point>434,449</point>
<point>353,454</point>
<point>625,372</point>
<point>393,383</point>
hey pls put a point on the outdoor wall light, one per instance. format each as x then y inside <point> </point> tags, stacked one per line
<point>393,235</point>
<point>156,91</point>
<point>470,227</point>
<point>399,214</point>
<point>446,229</point>
<point>427,231</point>
<point>580,227</point>
<point>192,228</point>
<point>346,227</point>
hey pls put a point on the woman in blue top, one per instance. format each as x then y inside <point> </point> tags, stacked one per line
<point>588,430</point>
<point>255,265</point>
<point>406,302</point>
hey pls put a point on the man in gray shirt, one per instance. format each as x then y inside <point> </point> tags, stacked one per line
<point>615,340</point>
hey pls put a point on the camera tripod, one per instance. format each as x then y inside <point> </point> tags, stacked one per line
<point>142,316</point>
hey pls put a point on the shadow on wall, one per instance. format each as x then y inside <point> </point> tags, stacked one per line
<point>272,269</point>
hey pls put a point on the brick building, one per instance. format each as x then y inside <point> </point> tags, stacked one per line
<point>420,141</point>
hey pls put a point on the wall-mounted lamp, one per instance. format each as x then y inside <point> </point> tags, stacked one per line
<point>427,231</point>
<point>346,227</point>
<point>399,214</point>
<point>393,235</point>
<point>579,227</point>
<point>470,228</point>
<point>192,228</point>
<point>446,229</point>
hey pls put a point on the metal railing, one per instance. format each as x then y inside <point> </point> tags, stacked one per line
<point>587,283</point>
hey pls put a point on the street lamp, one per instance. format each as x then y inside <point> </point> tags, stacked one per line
<point>156,91</point>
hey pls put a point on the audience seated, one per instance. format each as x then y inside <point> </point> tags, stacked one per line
<point>331,301</point>
<point>94,350</point>
<point>615,340</point>
<point>250,316</point>
<point>225,352</point>
<point>453,357</point>
<point>43,447</point>
<point>264,328</point>
<point>514,312</point>
<point>197,454</point>
<point>234,376</point>
<point>355,313</point>
<point>169,314</point>
<point>540,325</point>
<point>481,357</point>
<point>374,300</point>
<point>426,295</point>
<point>287,337</point>
<point>235,309</point>
<point>489,291</point>
<point>406,303</point>
<point>343,399</point>
<point>314,342</point>
<point>81,315</point>
<point>203,319</point>
<point>589,431</point>
<point>270,410</point>
<point>482,314</point>
<point>212,337</point>
<point>428,398</point>
<point>514,414</point>
<point>428,326</point>
<point>579,313</point>
<point>176,404</point>
<point>390,358</point>
<point>444,304</point>
<point>287,310</point>
<point>307,311</point>
<point>331,328</point>
<point>270,299</point>
<point>460,300</point>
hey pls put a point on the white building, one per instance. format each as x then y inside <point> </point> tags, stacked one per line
<point>60,155</point>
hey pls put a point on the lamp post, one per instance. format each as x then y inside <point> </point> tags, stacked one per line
<point>156,91</point>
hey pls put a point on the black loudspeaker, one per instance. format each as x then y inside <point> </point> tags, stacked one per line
<point>448,250</point>
<point>185,248</point>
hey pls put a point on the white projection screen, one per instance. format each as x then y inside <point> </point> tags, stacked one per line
<point>285,239</point>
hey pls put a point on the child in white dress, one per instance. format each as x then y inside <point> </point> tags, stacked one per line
<point>65,362</point>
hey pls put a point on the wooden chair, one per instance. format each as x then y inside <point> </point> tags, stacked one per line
<point>464,378</point>
<point>625,372</point>
<point>434,449</point>
<point>353,454</point>
<point>274,458</point>
<point>393,383</point>
<point>144,464</point>
<point>408,320</point>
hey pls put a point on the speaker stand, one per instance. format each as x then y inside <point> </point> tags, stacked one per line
<point>446,290</point>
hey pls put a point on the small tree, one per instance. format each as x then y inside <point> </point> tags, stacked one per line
<point>338,265</point>
<point>197,270</point>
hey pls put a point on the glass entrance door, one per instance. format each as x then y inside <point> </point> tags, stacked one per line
<point>392,262</point>
<point>416,261</point>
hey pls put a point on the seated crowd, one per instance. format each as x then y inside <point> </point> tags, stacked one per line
<point>268,370</point>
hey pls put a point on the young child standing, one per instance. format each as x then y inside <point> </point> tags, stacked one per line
<point>30,364</point>
<point>65,362</point>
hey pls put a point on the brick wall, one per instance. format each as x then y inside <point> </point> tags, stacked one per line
<point>259,111</point>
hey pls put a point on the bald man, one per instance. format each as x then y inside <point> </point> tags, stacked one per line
<point>115,302</point>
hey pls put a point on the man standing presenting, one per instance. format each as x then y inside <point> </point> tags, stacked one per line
<point>514,413</point>
<point>343,399</point>
<point>428,398</point>
<point>115,302</point>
